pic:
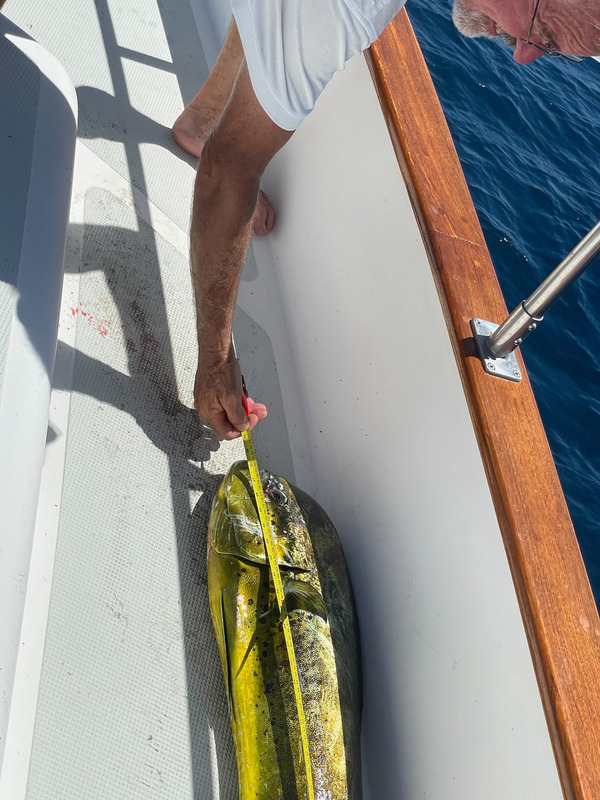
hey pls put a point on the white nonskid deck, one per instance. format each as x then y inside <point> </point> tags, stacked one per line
<point>128,614</point>
<point>340,331</point>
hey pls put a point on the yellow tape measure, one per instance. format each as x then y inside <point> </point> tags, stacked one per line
<point>265,523</point>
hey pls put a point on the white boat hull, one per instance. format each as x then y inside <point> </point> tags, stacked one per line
<point>340,330</point>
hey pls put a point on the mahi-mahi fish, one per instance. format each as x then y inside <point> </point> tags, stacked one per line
<point>250,639</point>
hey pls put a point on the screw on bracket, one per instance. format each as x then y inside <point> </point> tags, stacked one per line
<point>502,367</point>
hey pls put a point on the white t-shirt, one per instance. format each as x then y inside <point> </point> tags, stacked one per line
<point>293,47</point>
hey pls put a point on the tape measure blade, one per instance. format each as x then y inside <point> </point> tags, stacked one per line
<point>279,594</point>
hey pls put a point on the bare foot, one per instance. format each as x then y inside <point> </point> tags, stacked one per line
<point>264,215</point>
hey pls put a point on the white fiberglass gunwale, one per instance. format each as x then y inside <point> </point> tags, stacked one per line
<point>556,600</point>
<point>340,329</point>
<point>37,137</point>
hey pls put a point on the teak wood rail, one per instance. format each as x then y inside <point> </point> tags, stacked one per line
<point>556,601</point>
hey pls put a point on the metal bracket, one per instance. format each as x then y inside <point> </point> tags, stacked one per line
<point>508,367</point>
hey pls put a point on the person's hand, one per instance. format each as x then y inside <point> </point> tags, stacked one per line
<point>218,398</point>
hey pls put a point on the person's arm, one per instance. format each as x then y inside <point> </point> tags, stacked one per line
<point>225,195</point>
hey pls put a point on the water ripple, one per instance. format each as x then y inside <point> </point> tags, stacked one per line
<point>529,143</point>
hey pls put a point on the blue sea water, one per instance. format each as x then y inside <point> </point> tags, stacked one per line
<point>528,138</point>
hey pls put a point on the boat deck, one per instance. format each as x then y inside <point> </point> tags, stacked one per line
<point>340,331</point>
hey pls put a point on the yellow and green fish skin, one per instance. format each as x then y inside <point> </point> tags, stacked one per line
<point>252,647</point>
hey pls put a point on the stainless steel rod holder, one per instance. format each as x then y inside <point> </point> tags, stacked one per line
<point>524,319</point>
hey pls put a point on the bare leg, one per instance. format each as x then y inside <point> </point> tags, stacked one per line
<point>199,118</point>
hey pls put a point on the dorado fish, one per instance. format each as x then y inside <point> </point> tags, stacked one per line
<point>249,633</point>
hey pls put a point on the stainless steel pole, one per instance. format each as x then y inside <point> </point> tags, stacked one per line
<point>523,320</point>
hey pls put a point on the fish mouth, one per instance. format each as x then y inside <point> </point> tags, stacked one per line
<point>240,470</point>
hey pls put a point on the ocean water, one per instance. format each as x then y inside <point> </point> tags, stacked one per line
<point>528,138</point>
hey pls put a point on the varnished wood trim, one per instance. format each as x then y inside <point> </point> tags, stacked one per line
<point>558,608</point>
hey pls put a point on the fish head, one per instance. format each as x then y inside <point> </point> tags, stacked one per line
<point>235,529</point>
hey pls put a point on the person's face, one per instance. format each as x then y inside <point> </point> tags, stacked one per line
<point>571,27</point>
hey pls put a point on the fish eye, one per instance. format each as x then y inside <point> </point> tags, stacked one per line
<point>278,496</point>
<point>274,490</point>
